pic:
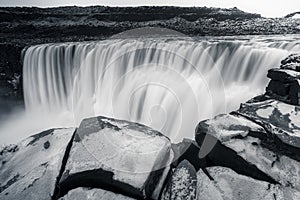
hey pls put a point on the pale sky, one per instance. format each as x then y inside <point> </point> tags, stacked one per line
<point>267,8</point>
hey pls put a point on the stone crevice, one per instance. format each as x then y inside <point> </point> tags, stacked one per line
<point>271,141</point>
<point>223,156</point>
<point>57,189</point>
<point>98,179</point>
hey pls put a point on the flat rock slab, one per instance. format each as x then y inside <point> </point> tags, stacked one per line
<point>247,148</point>
<point>120,156</point>
<point>206,188</point>
<point>93,194</point>
<point>29,169</point>
<point>227,184</point>
<point>276,117</point>
<point>224,127</point>
<point>283,75</point>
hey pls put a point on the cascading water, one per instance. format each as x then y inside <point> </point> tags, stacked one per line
<point>167,84</point>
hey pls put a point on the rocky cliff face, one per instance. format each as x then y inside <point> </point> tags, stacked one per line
<point>251,153</point>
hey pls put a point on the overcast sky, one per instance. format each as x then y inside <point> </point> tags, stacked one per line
<point>268,8</point>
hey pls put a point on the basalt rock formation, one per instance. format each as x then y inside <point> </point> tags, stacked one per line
<point>251,153</point>
<point>285,84</point>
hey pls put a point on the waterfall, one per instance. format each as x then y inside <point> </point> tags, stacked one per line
<point>167,84</point>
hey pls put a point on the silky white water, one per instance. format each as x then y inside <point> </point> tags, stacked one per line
<point>167,84</point>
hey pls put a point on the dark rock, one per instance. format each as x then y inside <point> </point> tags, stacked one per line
<point>284,85</point>
<point>8,149</point>
<point>293,58</point>
<point>30,170</point>
<point>37,137</point>
<point>118,156</point>
<point>188,150</point>
<point>278,88</point>
<point>294,94</point>
<point>283,76</point>
<point>291,66</point>
<point>258,98</point>
<point>292,14</point>
<point>47,145</point>
<point>292,62</point>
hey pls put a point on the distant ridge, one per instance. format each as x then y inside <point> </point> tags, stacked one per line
<point>292,14</point>
<point>141,13</point>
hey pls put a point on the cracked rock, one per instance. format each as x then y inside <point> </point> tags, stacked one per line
<point>245,147</point>
<point>119,156</point>
<point>30,172</point>
<point>227,185</point>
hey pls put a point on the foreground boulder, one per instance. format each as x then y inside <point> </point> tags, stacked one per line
<point>285,81</point>
<point>29,170</point>
<point>250,150</point>
<point>277,118</point>
<point>118,156</point>
<point>227,184</point>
